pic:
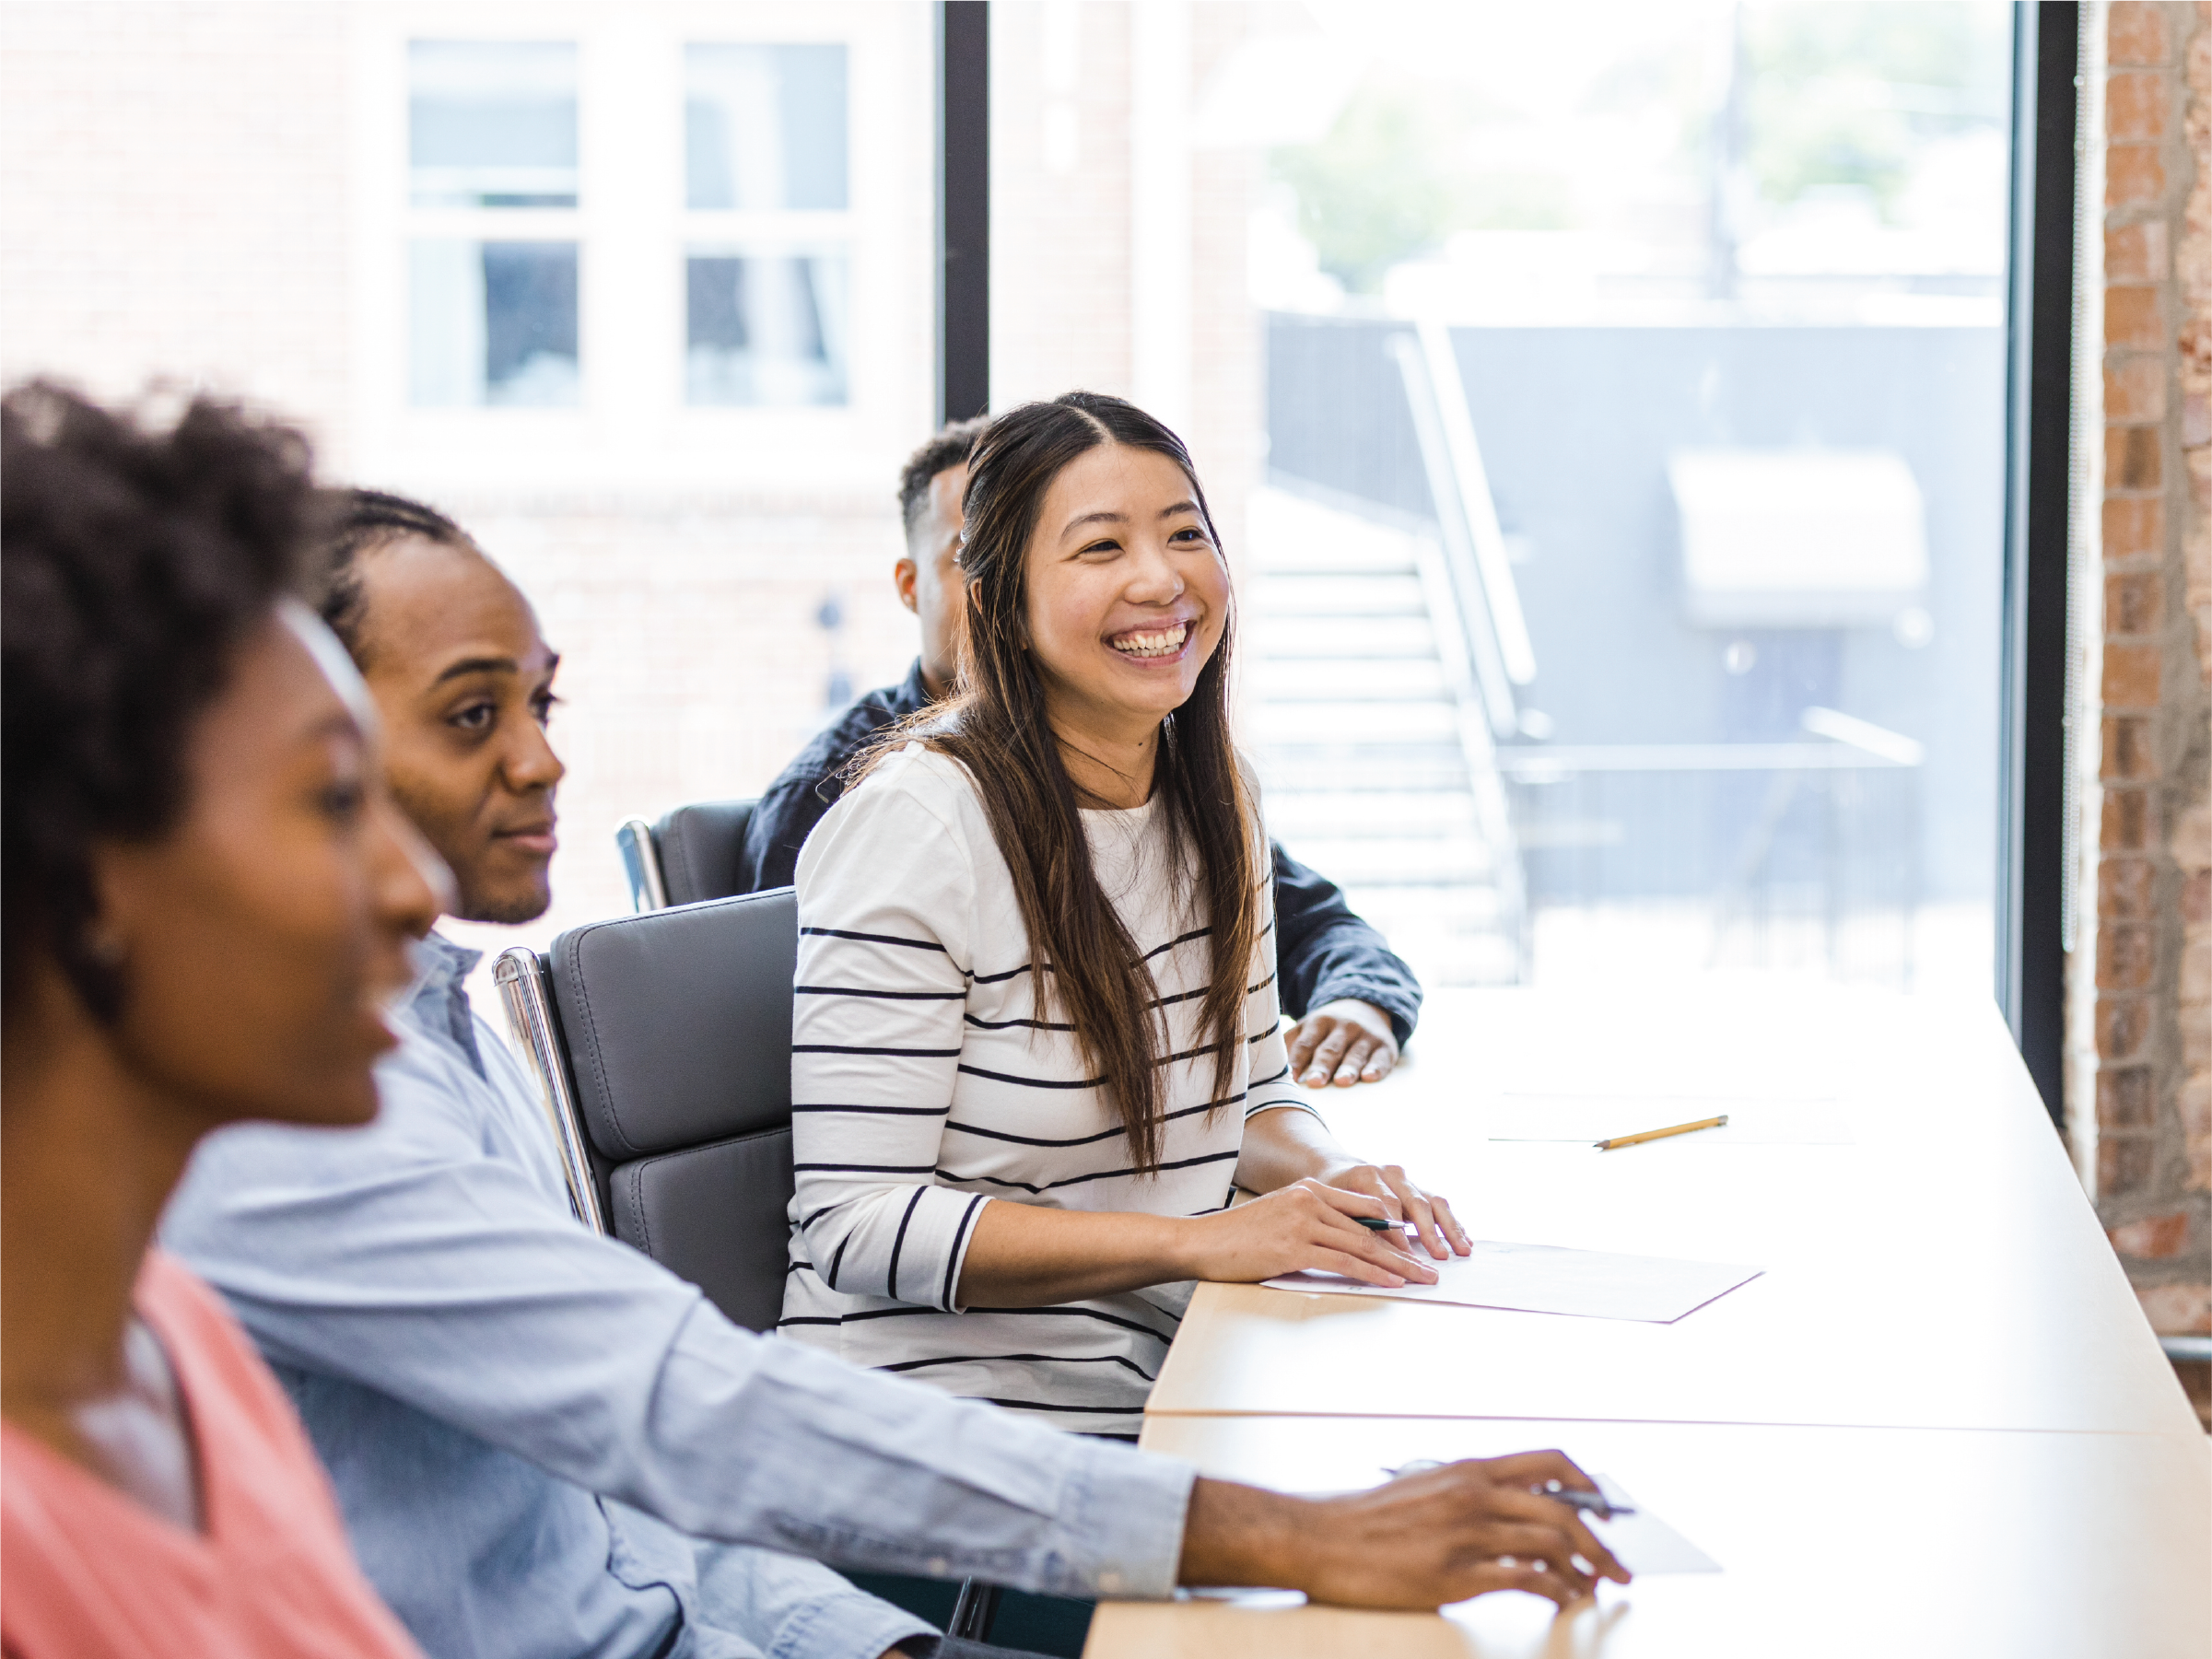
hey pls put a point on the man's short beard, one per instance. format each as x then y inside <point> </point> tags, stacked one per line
<point>525,909</point>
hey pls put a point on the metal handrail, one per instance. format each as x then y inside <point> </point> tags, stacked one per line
<point>520,972</point>
<point>1854,745</point>
<point>1463,585</point>
<point>1536,764</point>
<point>1486,537</point>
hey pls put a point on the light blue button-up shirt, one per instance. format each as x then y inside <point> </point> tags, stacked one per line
<point>544,1441</point>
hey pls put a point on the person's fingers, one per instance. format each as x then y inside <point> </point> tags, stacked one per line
<point>1305,1037</point>
<point>1518,1575</point>
<point>1352,1267</point>
<point>1449,1223</point>
<point>1381,1063</point>
<point>1329,1055</point>
<point>1366,1181</point>
<point>1525,1541</point>
<point>1385,1246</point>
<point>1530,1469</point>
<point>1416,1206</point>
<point>1355,1060</point>
<point>1420,1210</point>
<point>1562,1521</point>
<point>1369,1196</point>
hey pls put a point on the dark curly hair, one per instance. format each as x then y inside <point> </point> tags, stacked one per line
<point>946,450</point>
<point>135,558</point>
<point>363,521</point>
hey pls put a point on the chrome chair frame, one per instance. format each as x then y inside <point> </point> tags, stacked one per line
<point>641,863</point>
<point>520,972</point>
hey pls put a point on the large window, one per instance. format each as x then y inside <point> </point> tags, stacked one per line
<point>492,255</point>
<point>641,292</point>
<point>766,196</point>
<point>1622,551</point>
<point>614,246</point>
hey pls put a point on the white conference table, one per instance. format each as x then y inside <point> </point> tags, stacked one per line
<point>1936,1423</point>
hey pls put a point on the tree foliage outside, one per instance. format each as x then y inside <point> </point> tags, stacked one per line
<point>1849,94</point>
<point>1834,93</point>
<point>1381,188</point>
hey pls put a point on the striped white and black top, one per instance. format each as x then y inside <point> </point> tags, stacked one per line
<point>924,1085</point>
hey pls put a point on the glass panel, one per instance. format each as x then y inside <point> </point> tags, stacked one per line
<point>763,127</point>
<point>491,123</point>
<point>1622,562</point>
<point>765,328</point>
<point>493,323</point>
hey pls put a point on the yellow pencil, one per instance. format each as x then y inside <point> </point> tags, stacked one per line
<point>1680,1128</point>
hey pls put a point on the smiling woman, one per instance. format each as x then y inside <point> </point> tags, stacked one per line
<point>1037,1047</point>
<point>209,898</point>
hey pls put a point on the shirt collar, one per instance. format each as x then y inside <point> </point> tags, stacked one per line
<point>441,964</point>
<point>440,1002</point>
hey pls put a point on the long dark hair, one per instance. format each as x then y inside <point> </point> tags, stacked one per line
<point>995,726</point>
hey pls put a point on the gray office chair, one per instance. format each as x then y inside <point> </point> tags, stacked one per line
<point>688,857</point>
<point>662,1044</point>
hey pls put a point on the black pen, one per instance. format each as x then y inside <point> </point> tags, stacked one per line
<point>1376,1224</point>
<point>1590,1503</point>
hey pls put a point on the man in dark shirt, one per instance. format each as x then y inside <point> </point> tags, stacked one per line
<point>1355,1002</point>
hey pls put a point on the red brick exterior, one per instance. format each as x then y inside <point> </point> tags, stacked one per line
<point>2150,1020</point>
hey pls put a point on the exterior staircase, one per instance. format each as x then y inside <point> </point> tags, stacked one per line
<point>1375,759</point>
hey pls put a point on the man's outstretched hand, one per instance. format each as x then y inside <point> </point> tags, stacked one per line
<point>1421,1541</point>
<point>1344,1042</point>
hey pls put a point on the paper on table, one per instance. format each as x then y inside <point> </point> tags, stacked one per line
<point>1585,1119</point>
<point>1642,1542</point>
<point>1544,1278</point>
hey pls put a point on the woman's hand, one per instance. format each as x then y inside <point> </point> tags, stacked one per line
<point>1344,1042</point>
<point>1431,1213</point>
<point>1307,1224</point>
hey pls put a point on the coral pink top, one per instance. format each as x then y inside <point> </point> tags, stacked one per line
<point>87,1573</point>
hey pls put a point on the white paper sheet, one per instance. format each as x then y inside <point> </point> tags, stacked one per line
<point>1642,1542</point>
<point>1544,1278</point>
<point>1585,1119</point>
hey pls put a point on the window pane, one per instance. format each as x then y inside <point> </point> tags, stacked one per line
<point>493,323</point>
<point>763,127</point>
<point>1622,564</point>
<point>492,123</point>
<point>765,328</point>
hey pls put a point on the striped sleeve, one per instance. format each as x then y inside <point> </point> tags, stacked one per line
<point>884,904</point>
<point>1271,1084</point>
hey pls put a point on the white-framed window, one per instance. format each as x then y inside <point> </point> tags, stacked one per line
<point>493,231</point>
<point>663,243</point>
<point>767,224</point>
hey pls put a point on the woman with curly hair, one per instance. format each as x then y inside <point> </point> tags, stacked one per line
<point>1036,1047</point>
<point>206,899</point>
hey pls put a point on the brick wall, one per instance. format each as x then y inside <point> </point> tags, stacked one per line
<point>177,198</point>
<point>174,196</point>
<point>693,663</point>
<point>1062,296</point>
<point>2151,1171</point>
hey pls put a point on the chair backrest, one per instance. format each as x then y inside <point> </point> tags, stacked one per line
<point>700,847</point>
<point>673,1036</point>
